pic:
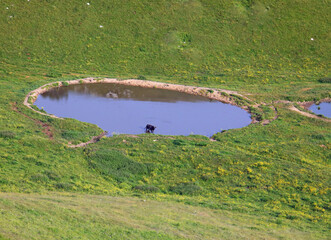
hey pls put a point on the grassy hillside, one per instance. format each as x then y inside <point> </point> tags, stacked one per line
<point>277,176</point>
<point>67,215</point>
<point>189,40</point>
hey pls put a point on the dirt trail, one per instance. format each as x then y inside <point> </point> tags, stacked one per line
<point>306,106</point>
<point>93,140</point>
<point>308,114</point>
<point>47,129</point>
<point>267,121</point>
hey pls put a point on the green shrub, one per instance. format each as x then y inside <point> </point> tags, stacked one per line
<point>39,178</point>
<point>317,136</point>
<point>186,37</point>
<point>51,175</point>
<point>186,189</point>
<point>146,188</point>
<point>71,134</point>
<point>3,181</point>
<point>179,142</point>
<point>53,74</point>
<point>325,80</point>
<point>201,144</point>
<point>141,77</point>
<point>256,113</point>
<point>63,185</point>
<point>115,164</point>
<point>247,3</point>
<point>206,177</point>
<point>7,134</point>
<point>65,84</point>
<point>224,94</point>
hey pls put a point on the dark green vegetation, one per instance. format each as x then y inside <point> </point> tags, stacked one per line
<point>275,175</point>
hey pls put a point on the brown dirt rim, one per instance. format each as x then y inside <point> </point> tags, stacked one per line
<point>47,129</point>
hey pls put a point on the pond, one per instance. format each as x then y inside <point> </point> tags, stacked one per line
<point>323,108</point>
<point>121,109</point>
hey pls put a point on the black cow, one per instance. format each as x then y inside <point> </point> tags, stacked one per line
<point>149,128</point>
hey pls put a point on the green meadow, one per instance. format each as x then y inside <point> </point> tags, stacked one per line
<point>259,182</point>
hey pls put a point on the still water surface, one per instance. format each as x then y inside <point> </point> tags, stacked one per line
<point>323,108</point>
<point>127,109</point>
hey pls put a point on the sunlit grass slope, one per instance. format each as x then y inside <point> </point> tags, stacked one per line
<point>194,41</point>
<point>74,216</point>
<point>269,182</point>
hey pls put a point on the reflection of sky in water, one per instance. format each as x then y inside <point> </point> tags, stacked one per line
<point>184,117</point>
<point>323,108</point>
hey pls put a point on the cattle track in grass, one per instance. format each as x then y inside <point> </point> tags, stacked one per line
<point>307,114</point>
<point>93,140</point>
<point>46,128</point>
<point>306,105</point>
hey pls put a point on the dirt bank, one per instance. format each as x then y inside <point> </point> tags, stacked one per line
<point>47,129</point>
<point>306,106</point>
<point>93,140</point>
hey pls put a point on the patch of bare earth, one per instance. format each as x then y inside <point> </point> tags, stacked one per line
<point>308,114</point>
<point>306,105</point>
<point>93,140</point>
<point>47,129</point>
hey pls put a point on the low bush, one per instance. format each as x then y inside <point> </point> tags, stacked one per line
<point>224,94</point>
<point>63,185</point>
<point>51,175</point>
<point>186,189</point>
<point>317,136</point>
<point>146,188</point>
<point>325,80</point>
<point>115,164</point>
<point>53,74</point>
<point>39,178</point>
<point>71,134</point>
<point>179,142</point>
<point>7,134</point>
<point>141,77</point>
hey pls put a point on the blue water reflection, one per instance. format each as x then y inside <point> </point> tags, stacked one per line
<point>323,108</point>
<point>127,109</point>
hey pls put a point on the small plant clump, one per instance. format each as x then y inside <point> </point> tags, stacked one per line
<point>141,77</point>
<point>325,80</point>
<point>7,134</point>
<point>53,74</point>
<point>186,189</point>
